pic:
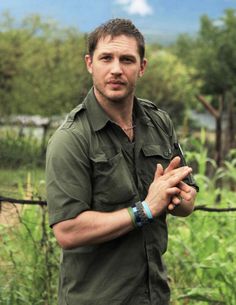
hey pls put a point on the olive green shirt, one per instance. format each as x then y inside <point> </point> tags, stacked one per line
<point>92,165</point>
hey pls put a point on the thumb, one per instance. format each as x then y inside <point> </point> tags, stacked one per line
<point>159,171</point>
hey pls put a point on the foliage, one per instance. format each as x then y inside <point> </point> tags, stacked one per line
<point>29,260</point>
<point>202,271</point>
<point>168,83</point>
<point>217,42</point>
<point>41,67</point>
<point>213,53</point>
<point>42,71</point>
<point>14,181</point>
<point>29,256</point>
<point>200,259</point>
<point>19,150</point>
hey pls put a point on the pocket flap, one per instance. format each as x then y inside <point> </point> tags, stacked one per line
<point>157,150</point>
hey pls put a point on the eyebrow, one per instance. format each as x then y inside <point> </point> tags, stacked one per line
<point>122,55</point>
<point>105,54</point>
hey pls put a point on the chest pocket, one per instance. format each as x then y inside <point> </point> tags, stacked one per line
<point>152,155</point>
<point>112,182</point>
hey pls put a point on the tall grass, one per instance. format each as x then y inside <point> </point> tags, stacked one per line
<point>29,261</point>
<point>29,254</point>
<point>200,257</point>
<point>20,150</point>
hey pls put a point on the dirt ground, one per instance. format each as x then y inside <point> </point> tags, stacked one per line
<point>9,213</point>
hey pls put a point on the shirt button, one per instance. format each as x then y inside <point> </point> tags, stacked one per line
<point>166,153</point>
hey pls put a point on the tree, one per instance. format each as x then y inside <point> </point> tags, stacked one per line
<point>168,82</point>
<point>213,53</point>
<point>217,66</point>
<point>41,68</point>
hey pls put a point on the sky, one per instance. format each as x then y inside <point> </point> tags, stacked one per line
<point>162,18</point>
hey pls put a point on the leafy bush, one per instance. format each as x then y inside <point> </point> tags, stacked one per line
<point>29,259</point>
<point>200,257</point>
<point>19,151</point>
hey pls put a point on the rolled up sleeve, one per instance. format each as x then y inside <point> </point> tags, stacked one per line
<point>68,181</point>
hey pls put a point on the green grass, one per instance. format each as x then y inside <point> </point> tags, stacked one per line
<point>29,253</point>
<point>20,151</point>
<point>13,181</point>
<point>200,259</point>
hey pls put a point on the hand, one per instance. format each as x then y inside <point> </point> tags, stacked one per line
<point>165,185</point>
<point>186,196</point>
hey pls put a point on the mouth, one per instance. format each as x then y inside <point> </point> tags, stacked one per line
<point>116,83</point>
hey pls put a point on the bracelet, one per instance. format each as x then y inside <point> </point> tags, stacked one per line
<point>141,213</point>
<point>147,211</point>
<point>131,214</point>
<point>138,220</point>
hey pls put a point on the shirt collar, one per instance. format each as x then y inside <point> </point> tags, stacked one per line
<point>140,113</point>
<point>98,117</point>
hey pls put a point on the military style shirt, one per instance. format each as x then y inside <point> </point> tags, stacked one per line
<point>92,165</point>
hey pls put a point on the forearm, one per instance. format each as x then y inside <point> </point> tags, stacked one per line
<point>91,227</point>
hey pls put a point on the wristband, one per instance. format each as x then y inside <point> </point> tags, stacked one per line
<point>138,220</point>
<point>131,214</point>
<point>141,213</point>
<point>147,211</point>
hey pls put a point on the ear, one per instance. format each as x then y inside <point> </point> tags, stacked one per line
<point>89,63</point>
<point>143,66</point>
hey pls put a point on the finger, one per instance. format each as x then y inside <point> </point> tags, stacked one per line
<point>185,196</point>
<point>171,207</point>
<point>177,171</point>
<point>173,191</point>
<point>177,175</point>
<point>159,171</point>
<point>189,196</point>
<point>177,199</point>
<point>184,187</point>
<point>174,163</point>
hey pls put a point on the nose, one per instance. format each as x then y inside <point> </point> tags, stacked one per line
<point>116,67</point>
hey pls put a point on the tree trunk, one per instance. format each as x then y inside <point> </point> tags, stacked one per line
<point>218,133</point>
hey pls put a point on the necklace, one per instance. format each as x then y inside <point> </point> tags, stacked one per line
<point>129,128</point>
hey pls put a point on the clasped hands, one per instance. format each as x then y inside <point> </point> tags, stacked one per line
<point>168,189</point>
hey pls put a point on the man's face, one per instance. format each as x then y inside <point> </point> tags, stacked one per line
<point>115,68</point>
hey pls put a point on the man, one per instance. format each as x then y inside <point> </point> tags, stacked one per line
<point>112,176</point>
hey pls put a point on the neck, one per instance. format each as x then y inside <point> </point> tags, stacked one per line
<point>120,110</point>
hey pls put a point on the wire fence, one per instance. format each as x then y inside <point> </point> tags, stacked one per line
<point>9,200</point>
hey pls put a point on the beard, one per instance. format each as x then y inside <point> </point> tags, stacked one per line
<point>114,96</point>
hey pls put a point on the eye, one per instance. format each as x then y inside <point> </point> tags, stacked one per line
<point>127,60</point>
<point>106,58</point>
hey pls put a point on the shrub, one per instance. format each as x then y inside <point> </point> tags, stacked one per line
<point>19,151</point>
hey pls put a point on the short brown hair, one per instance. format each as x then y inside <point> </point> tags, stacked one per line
<point>116,27</point>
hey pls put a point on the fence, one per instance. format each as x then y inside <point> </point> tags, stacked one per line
<point>44,203</point>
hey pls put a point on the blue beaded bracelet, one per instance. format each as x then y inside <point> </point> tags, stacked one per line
<point>147,211</point>
<point>138,220</point>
